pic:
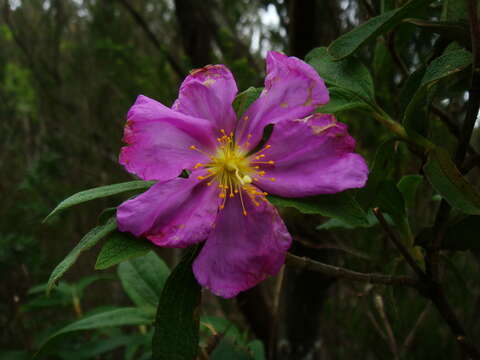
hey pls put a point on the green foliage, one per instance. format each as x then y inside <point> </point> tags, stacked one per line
<point>110,318</point>
<point>177,324</point>
<point>342,206</point>
<point>408,186</point>
<point>245,99</point>
<point>349,74</point>
<point>99,192</point>
<point>143,278</point>
<point>342,99</point>
<point>69,71</point>
<point>346,44</point>
<point>88,241</point>
<point>120,247</point>
<point>449,182</point>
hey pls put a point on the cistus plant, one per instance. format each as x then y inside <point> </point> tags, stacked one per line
<point>218,170</point>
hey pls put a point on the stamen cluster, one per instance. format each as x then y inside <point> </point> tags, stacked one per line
<point>233,170</point>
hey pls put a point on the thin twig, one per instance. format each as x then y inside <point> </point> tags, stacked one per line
<point>392,342</point>
<point>411,335</point>
<point>398,244</point>
<point>342,273</point>
<point>151,36</point>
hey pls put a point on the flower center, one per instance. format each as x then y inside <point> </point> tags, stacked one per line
<point>233,171</point>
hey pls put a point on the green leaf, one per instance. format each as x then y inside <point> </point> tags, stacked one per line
<point>143,278</point>
<point>463,235</point>
<point>351,41</point>
<point>348,74</point>
<point>390,200</point>
<point>449,63</point>
<point>412,84</point>
<point>245,99</point>
<point>227,349</point>
<point>454,10</point>
<point>416,114</point>
<point>177,324</point>
<point>342,100</point>
<point>378,172</point>
<point>447,180</point>
<point>99,192</point>
<point>342,206</point>
<point>408,186</point>
<point>110,318</point>
<point>88,241</point>
<point>334,224</point>
<point>119,247</point>
<point>450,30</point>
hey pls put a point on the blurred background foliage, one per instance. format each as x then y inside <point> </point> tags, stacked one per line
<point>69,71</point>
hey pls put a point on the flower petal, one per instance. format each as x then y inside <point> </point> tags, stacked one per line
<point>159,140</point>
<point>293,90</point>
<point>242,250</point>
<point>175,213</point>
<point>208,93</point>
<point>312,156</point>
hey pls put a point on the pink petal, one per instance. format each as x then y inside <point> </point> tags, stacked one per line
<point>312,156</point>
<point>175,213</point>
<point>242,250</point>
<point>208,93</point>
<point>293,90</point>
<point>159,139</point>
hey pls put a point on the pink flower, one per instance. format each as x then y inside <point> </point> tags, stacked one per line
<point>223,200</point>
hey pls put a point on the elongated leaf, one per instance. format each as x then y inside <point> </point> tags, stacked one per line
<point>351,41</point>
<point>416,114</point>
<point>453,31</point>
<point>390,200</point>
<point>447,64</point>
<point>143,278</point>
<point>120,247</point>
<point>447,180</point>
<point>177,323</point>
<point>408,187</point>
<point>110,318</point>
<point>89,240</point>
<point>342,206</point>
<point>379,171</point>
<point>245,99</point>
<point>342,100</point>
<point>348,74</point>
<point>99,192</point>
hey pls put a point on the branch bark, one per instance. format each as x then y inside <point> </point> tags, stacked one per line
<point>342,273</point>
